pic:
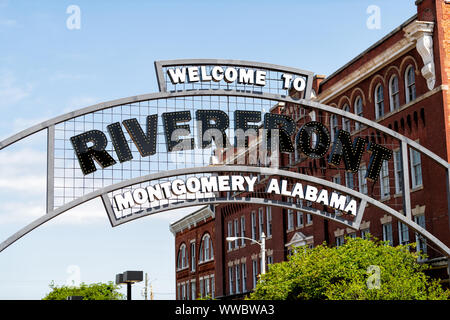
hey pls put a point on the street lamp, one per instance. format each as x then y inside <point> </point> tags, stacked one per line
<point>262,244</point>
<point>129,277</point>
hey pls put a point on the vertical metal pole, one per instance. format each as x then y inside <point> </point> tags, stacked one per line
<point>146,283</point>
<point>263,253</point>
<point>129,291</point>
<point>406,185</point>
<point>50,168</point>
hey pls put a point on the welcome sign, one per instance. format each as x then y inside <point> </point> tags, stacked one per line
<point>218,131</point>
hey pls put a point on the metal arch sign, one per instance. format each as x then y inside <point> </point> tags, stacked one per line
<point>156,152</point>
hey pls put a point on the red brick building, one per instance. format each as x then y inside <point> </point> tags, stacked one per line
<point>195,265</point>
<point>401,82</point>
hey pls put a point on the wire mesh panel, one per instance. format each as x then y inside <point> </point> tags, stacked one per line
<point>70,182</point>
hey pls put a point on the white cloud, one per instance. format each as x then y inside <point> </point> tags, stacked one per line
<point>79,102</point>
<point>8,23</point>
<point>11,92</point>
<point>24,123</point>
<point>20,212</point>
<point>23,174</point>
<point>30,184</point>
<point>69,76</point>
<point>90,212</point>
<point>22,164</point>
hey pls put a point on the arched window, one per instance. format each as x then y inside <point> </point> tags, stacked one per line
<point>358,111</point>
<point>410,84</point>
<point>182,257</point>
<point>346,121</point>
<point>206,249</point>
<point>333,126</point>
<point>379,101</point>
<point>393,93</point>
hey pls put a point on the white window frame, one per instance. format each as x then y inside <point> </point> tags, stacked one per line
<point>244,276</point>
<point>290,216</point>
<point>349,177</point>
<point>309,219</point>
<point>379,103</point>
<point>206,251</point>
<point>255,272</point>
<point>182,260</point>
<point>237,268</point>
<point>403,233</point>
<point>364,233</point>
<point>193,255</point>
<point>254,225</point>
<point>346,123</point>
<point>300,221</point>
<point>333,126</point>
<point>260,221</point>
<point>387,233</point>
<point>193,290</point>
<point>358,112</point>
<point>183,291</point>
<point>410,88</point>
<point>213,285</point>
<point>339,241</point>
<point>384,180</point>
<point>421,242</point>
<point>414,182</point>
<point>230,279</point>
<point>242,231</point>
<point>230,234</point>
<point>394,96</point>
<point>268,221</point>
<point>362,181</point>
<point>236,233</point>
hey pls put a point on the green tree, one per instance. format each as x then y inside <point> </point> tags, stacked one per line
<point>95,291</point>
<point>350,272</point>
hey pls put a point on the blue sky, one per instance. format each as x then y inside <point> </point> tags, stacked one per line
<point>47,69</point>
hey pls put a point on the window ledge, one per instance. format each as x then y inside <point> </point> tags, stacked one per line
<point>205,261</point>
<point>398,195</point>
<point>417,188</point>
<point>385,198</point>
<point>182,269</point>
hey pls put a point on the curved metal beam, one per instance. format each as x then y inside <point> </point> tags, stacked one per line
<point>227,169</point>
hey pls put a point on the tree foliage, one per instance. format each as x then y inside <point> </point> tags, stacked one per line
<point>344,273</point>
<point>95,291</point>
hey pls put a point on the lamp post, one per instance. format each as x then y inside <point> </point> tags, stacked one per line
<point>129,277</point>
<point>262,244</point>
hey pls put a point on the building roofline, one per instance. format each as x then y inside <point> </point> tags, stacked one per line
<point>376,44</point>
<point>191,219</point>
